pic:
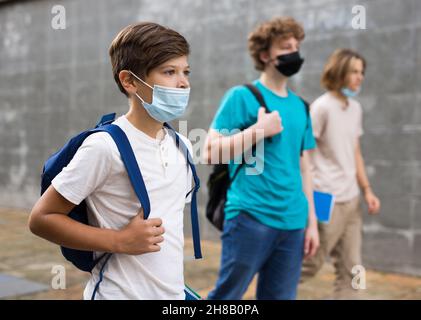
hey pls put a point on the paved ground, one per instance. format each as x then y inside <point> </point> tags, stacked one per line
<point>28,257</point>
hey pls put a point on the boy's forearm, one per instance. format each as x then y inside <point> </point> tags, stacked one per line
<point>64,231</point>
<point>308,190</point>
<point>362,178</point>
<point>224,148</point>
<point>308,187</point>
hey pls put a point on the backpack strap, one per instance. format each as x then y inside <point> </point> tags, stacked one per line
<point>307,107</point>
<point>129,160</point>
<point>259,97</point>
<point>193,207</point>
<point>133,171</point>
<point>138,184</point>
<point>257,94</point>
<point>101,273</point>
<point>106,119</point>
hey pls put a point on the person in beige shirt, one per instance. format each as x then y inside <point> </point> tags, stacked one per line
<point>338,168</point>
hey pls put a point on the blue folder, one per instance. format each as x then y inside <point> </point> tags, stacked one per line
<point>323,203</point>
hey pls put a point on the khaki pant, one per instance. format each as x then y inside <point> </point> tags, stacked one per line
<point>341,240</point>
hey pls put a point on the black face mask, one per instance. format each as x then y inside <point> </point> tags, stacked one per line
<point>289,64</point>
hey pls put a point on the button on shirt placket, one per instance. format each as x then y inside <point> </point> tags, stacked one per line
<point>164,157</point>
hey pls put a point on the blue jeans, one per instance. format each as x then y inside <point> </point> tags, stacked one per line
<point>250,247</point>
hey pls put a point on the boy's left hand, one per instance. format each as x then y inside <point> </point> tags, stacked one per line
<point>311,240</point>
<point>373,203</point>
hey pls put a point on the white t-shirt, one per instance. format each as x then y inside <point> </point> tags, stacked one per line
<point>97,174</point>
<point>336,129</point>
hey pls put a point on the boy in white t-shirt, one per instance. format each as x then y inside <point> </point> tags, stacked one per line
<point>150,66</point>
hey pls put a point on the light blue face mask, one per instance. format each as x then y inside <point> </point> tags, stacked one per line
<point>167,103</point>
<point>350,93</point>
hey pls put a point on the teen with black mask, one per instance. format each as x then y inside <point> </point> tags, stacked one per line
<point>270,223</point>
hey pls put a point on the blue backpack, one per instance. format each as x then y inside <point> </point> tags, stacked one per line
<point>84,260</point>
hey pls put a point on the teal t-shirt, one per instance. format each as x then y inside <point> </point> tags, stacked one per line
<point>269,185</point>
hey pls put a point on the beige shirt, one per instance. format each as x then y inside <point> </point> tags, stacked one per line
<point>336,129</point>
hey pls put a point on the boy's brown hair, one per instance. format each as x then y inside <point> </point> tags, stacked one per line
<point>264,35</point>
<point>144,46</point>
<point>337,67</point>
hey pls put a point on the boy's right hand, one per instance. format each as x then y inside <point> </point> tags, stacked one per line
<point>271,123</point>
<point>140,236</point>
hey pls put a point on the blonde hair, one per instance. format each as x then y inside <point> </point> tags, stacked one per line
<point>337,67</point>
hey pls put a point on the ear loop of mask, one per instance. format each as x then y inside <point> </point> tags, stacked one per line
<point>137,95</point>
<point>143,101</point>
<point>274,60</point>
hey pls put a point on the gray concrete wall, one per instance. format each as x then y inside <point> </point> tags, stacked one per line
<point>55,83</point>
